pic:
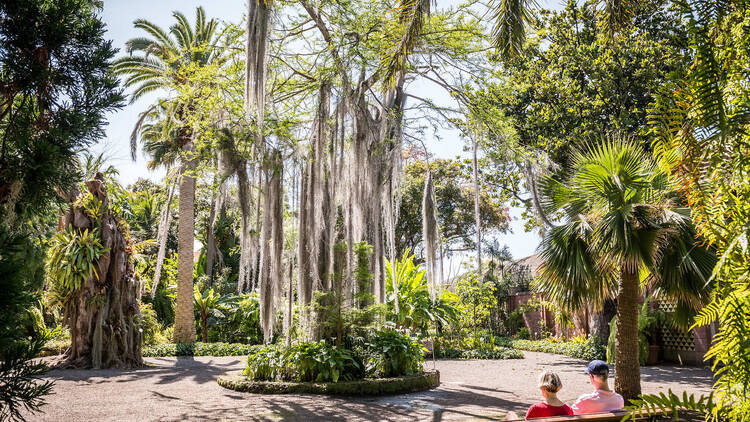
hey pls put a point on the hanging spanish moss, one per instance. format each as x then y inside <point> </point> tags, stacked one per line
<point>392,198</point>
<point>431,236</point>
<point>272,240</point>
<point>258,19</point>
<point>161,237</point>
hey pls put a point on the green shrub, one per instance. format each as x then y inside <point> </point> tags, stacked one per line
<point>494,354</point>
<point>241,325</point>
<point>524,334</point>
<point>268,363</point>
<point>149,325</point>
<point>392,354</point>
<point>590,349</point>
<point>199,349</point>
<point>304,362</point>
<point>321,362</point>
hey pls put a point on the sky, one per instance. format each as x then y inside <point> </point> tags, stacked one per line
<point>119,16</point>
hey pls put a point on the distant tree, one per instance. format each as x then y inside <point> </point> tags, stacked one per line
<point>454,193</point>
<point>55,88</point>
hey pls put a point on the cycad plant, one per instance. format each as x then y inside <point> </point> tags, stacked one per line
<point>160,62</point>
<point>623,229</point>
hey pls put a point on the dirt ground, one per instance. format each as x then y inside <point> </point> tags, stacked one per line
<point>172,389</point>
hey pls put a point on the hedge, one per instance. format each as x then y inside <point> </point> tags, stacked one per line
<point>199,349</point>
<point>366,387</point>
<point>494,354</point>
<point>590,349</point>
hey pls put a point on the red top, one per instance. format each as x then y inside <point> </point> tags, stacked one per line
<point>541,410</point>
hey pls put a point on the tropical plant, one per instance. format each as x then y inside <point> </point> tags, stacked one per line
<point>622,227</point>
<point>72,259</point>
<point>393,354</point>
<point>268,363</point>
<point>416,309</point>
<point>162,65</point>
<point>476,298</point>
<point>241,324</point>
<point>20,274</point>
<point>304,362</point>
<point>57,89</point>
<point>701,128</point>
<point>211,305</point>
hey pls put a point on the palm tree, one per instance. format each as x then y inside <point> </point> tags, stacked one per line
<point>157,67</point>
<point>623,230</point>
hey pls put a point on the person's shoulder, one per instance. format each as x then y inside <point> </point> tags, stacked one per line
<point>619,398</point>
<point>568,410</point>
<point>587,396</point>
<point>534,409</point>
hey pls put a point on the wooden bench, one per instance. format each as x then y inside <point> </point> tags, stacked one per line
<point>600,417</point>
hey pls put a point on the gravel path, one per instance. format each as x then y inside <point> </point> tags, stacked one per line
<point>186,389</point>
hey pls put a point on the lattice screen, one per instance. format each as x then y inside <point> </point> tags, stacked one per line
<point>675,338</point>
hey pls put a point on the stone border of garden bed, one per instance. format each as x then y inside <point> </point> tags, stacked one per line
<point>367,387</point>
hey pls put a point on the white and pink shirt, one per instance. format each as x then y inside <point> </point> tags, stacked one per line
<point>598,401</point>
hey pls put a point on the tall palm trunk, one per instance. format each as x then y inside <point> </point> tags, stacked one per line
<point>627,366</point>
<point>184,321</point>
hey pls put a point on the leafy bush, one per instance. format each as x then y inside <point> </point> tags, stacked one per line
<point>199,349</point>
<point>304,362</point>
<point>590,349</point>
<point>392,354</point>
<point>524,334</point>
<point>242,323</point>
<point>321,362</point>
<point>268,363</point>
<point>149,325</point>
<point>496,353</point>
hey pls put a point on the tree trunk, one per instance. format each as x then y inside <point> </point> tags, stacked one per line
<point>477,217</point>
<point>627,366</point>
<point>211,247</point>
<point>204,329</point>
<point>272,240</point>
<point>599,320</point>
<point>101,314</point>
<point>184,321</point>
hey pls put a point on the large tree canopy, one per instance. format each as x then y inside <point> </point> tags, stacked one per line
<point>55,88</point>
<point>574,82</point>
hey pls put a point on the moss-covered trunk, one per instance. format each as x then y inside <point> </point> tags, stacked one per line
<point>102,313</point>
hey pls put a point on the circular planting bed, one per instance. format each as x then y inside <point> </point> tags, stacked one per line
<point>366,387</point>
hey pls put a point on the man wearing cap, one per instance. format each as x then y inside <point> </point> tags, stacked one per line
<point>602,399</point>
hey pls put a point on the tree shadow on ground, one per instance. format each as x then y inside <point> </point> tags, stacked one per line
<point>166,371</point>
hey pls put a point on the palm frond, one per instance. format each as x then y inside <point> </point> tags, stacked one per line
<point>511,18</point>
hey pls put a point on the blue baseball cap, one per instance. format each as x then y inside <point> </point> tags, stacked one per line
<point>598,367</point>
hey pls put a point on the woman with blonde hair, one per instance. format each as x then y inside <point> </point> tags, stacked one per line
<point>549,384</point>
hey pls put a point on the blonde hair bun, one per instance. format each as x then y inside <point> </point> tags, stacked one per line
<point>550,382</point>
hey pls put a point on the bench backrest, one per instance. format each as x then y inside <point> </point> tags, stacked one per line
<point>596,417</point>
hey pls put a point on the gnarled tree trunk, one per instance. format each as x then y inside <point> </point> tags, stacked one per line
<point>102,314</point>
